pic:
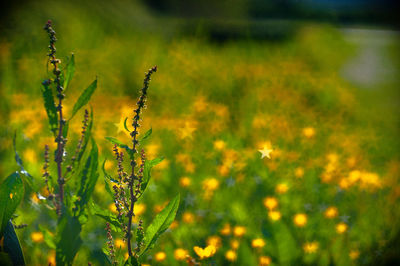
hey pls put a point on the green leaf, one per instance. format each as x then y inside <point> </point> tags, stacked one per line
<point>160,223</point>
<point>27,177</point>
<point>11,194</point>
<point>70,72</point>
<point>69,240</point>
<point>287,248</point>
<point>50,106</point>
<point>106,178</point>
<point>120,144</point>
<point>126,127</point>
<point>108,216</point>
<point>146,135</point>
<point>88,177</point>
<point>48,237</point>
<point>12,245</point>
<point>84,98</point>
<point>65,129</point>
<point>148,165</point>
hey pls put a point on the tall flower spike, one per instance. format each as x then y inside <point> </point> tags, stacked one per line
<point>60,140</point>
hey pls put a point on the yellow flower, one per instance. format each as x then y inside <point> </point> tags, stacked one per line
<point>310,247</point>
<point>210,184</point>
<point>112,208</point>
<point>160,256</point>
<point>29,155</point>
<point>174,224</point>
<point>207,252</point>
<point>231,255</point>
<point>300,219</point>
<point>264,261</point>
<point>180,254</point>
<point>188,217</point>
<point>139,209</point>
<point>239,231</point>
<point>299,172</point>
<point>266,152</point>
<point>258,243</point>
<point>223,170</point>
<point>308,132</point>
<point>184,181</point>
<point>119,243</point>
<point>270,203</point>
<point>354,254</point>
<point>331,212</point>
<point>226,230</point>
<point>214,241</point>
<point>37,237</point>
<point>51,258</point>
<point>234,244</point>
<point>274,215</point>
<point>341,228</point>
<point>219,145</point>
<point>282,188</point>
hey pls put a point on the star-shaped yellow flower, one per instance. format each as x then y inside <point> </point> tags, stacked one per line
<point>187,131</point>
<point>265,152</point>
<point>120,126</point>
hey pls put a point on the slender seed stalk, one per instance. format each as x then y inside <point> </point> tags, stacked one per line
<point>133,196</point>
<point>59,139</point>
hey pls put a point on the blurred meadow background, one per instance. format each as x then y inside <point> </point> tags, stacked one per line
<point>316,82</point>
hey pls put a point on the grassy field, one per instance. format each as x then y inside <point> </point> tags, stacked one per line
<point>328,194</point>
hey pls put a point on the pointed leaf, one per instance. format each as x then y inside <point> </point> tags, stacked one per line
<point>69,72</point>
<point>108,216</point>
<point>27,177</point>
<point>88,177</point>
<point>48,237</point>
<point>160,223</point>
<point>146,135</point>
<point>148,165</point>
<point>50,106</point>
<point>132,261</point>
<point>84,98</point>
<point>120,144</point>
<point>69,240</point>
<point>126,127</point>
<point>12,245</point>
<point>106,178</point>
<point>11,194</point>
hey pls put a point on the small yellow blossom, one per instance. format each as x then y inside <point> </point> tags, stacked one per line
<point>331,212</point>
<point>341,228</point>
<point>51,258</point>
<point>231,255</point>
<point>270,203</point>
<point>274,215</point>
<point>258,243</point>
<point>265,152</point>
<point>214,241</point>
<point>354,254</point>
<point>226,230</point>
<point>180,254</point>
<point>188,217</point>
<point>310,247</point>
<point>223,170</point>
<point>300,219</point>
<point>139,209</point>
<point>11,195</point>
<point>299,172</point>
<point>282,188</point>
<point>184,181</point>
<point>219,145</point>
<point>239,231</point>
<point>207,252</point>
<point>160,256</point>
<point>264,261</point>
<point>210,184</point>
<point>174,224</point>
<point>29,155</point>
<point>308,132</point>
<point>34,198</point>
<point>119,243</point>
<point>37,237</point>
<point>235,244</point>
<point>112,208</point>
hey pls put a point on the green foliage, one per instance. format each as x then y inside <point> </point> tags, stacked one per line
<point>160,223</point>
<point>84,98</point>
<point>70,70</point>
<point>50,106</point>
<point>148,165</point>
<point>12,246</point>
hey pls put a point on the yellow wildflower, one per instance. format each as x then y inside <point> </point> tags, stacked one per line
<point>207,252</point>
<point>341,228</point>
<point>264,261</point>
<point>234,244</point>
<point>160,256</point>
<point>310,247</point>
<point>331,212</point>
<point>119,243</point>
<point>300,219</point>
<point>226,230</point>
<point>354,254</point>
<point>184,181</point>
<point>214,241</point>
<point>180,254</point>
<point>282,188</point>
<point>37,237</point>
<point>188,217</point>
<point>219,145</point>
<point>239,231</point>
<point>231,255</point>
<point>308,132</point>
<point>139,209</point>
<point>274,215</point>
<point>258,243</point>
<point>299,172</point>
<point>210,184</point>
<point>270,203</point>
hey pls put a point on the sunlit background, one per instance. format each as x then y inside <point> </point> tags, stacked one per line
<point>316,82</point>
